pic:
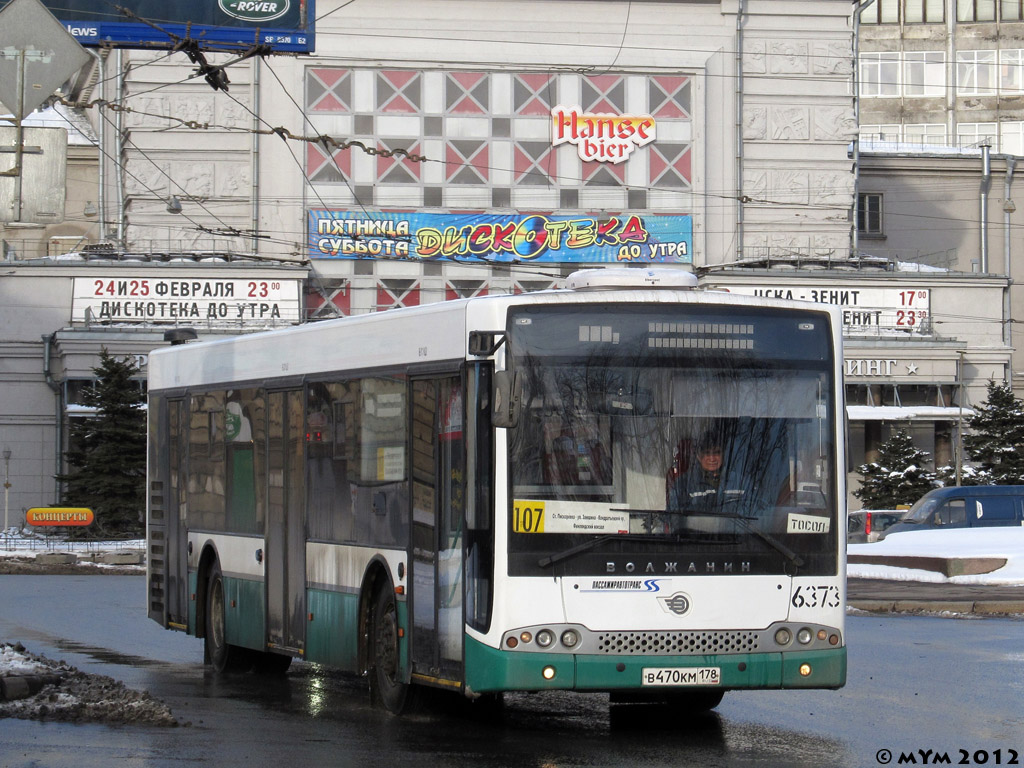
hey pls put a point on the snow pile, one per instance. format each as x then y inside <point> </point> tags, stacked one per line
<point>14,661</point>
<point>77,697</point>
<point>997,542</point>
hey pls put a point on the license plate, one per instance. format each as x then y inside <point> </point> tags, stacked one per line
<point>681,676</point>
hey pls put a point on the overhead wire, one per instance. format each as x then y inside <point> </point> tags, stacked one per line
<point>727,198</point>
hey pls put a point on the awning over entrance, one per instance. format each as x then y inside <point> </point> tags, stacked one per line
<point>906,413</point>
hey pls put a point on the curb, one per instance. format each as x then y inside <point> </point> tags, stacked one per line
<point>23,686</point>
<point>947,566</point>
<point>56,558</point>
<point>978,608</point>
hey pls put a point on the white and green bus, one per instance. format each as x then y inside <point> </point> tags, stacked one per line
<point>495,494</point>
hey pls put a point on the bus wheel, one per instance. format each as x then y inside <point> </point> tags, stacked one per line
<point>223,657</point>
<point>384,684</point>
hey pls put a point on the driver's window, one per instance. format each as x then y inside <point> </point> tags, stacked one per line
<point>953,511</point>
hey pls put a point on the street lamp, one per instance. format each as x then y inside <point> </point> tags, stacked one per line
<point>7,483</point>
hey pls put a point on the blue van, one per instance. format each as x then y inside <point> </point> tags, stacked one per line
<point>964,506</point>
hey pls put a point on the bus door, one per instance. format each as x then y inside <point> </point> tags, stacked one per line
<point>169,521</point>
<point>284,563</point>
<point>438,509</point>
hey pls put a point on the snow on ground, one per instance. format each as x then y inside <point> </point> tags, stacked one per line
<point>14,661</point>
<point>53,690</point>
<point>24,546</point>
<point>997,542</point>
<point>36,687</point>
<point>29,543</point>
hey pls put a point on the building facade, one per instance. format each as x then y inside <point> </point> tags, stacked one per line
<point>942,73</point>
<point>458,149</point>
<point>58,314</point>
<point>920,346</point>
<point>941,110</point>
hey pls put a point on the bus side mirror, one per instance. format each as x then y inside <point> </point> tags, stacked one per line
<point>485,343</point>
<point>508,389</point>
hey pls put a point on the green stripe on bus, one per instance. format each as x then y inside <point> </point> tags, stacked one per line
<point>244,609</point>
<point>828,669</point>
<point>332,635</point>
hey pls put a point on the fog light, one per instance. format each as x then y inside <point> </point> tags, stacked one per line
<point>570,638</point>
<point>783,636</point>
<point>511,642</point>
<point>833,639</point>
<point>804,636</point>
<point>549,673</point>
<point>526,637</point>
<point>805,670</point>
<point>822,634</point>
<point>545,638</point>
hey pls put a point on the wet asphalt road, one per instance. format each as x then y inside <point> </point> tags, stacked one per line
<point>914,683</point>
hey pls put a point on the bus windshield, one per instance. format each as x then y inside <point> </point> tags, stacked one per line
<point>676,438</point>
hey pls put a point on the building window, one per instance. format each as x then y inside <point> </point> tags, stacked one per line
<point>880,132</point>
<point>869,214</point>
<point>1011,138</point>
<point>879,74</point>
<point>924,73</point>
<point>1011,10</point>
<point>913,11</point>
<point>975,10</point>
<point>882,12</point>
<point>925,133</point>
<point>976,134</point>
<point>928,11</point>
<point>976,73</point>
<point>1011,62</point>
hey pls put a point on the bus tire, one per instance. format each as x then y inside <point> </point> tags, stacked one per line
<point>385,687</point>
<point>222,656</point>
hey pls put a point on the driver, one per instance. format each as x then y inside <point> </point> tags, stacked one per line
<point>700,489</point>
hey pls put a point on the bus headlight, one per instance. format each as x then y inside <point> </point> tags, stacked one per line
<point>570,638</point>
<point>804,636</point>
<point>545,638</point>
<point>783,636</point>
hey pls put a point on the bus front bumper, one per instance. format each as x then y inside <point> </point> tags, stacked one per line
<point>492,670</point>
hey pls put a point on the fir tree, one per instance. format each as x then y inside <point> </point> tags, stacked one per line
<point>107,461</point>
<point>897,477</point>
<point>996,442</point>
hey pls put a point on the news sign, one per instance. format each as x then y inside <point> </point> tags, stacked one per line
<point>865,310</point>
<point>285,26</point>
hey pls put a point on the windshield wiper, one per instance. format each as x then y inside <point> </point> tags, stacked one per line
<point>589,544</point>
<point>744,521</point>
<point>565,554</point>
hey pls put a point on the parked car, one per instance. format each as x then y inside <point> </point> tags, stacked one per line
<point>966,506</point>
<point>866,525</point>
